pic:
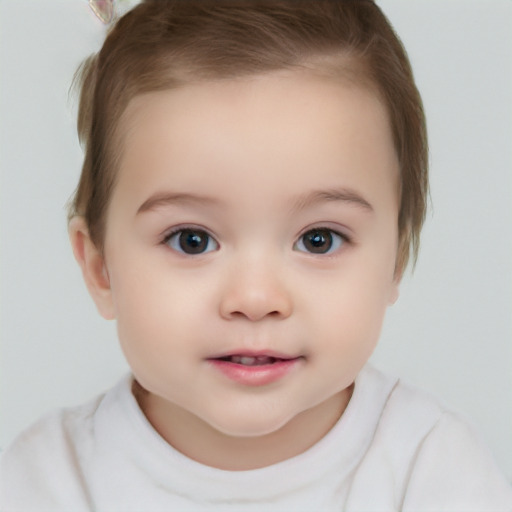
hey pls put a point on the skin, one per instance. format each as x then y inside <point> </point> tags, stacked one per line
<point>256,152</point>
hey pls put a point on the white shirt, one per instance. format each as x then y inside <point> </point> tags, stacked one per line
<point>394,448</point>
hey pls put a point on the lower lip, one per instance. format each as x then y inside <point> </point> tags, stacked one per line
<point>259,375</point>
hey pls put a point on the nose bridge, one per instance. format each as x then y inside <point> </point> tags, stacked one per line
<point>255,288</point>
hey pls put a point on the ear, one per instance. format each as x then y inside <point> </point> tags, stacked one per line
<point>93,267</point>
<point>401,258</point>
<point>395,291</point>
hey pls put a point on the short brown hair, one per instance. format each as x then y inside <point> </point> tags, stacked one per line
<point>161,44</point>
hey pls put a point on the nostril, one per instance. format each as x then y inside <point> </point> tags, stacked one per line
<point>255,301</point>
<point>256,315</point>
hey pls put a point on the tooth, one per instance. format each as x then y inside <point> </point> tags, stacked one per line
<point>251,360</point>
<point>264,360</point>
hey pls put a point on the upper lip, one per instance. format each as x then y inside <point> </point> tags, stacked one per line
<point>254,353</point>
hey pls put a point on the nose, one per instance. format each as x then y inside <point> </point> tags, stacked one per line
<point>255,291</point>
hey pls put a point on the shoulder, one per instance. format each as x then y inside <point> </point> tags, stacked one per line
<point>454,468</point>
<point>437,459</point>
<point>401,407</point>
<point>43,468</point>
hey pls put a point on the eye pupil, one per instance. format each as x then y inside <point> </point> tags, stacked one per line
<point>318,241</point>
<point>193,242</point>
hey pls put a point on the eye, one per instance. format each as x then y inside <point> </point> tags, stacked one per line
<point>191,241</point>
<point>320,241</point>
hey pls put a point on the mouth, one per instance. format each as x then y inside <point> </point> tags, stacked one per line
<point>246,360</point>
<point>256,369</point>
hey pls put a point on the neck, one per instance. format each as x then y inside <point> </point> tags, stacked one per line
<point>201,442</point>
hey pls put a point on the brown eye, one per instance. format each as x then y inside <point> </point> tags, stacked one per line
<point>191,241</point>
<point>319,241</point>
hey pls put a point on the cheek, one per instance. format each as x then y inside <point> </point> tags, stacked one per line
<point>350,331</point>
<point>352,307</point>
<point>154,329</point>
<point>154,305</point>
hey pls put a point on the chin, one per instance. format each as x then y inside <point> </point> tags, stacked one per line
<point>248,425</point>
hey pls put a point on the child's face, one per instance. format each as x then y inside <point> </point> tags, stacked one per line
<point>285,189</point>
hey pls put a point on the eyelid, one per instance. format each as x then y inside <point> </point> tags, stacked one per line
<point>169,233</point>
<point>338,230</point>
<point>183,227</point>
<point>346,239</point>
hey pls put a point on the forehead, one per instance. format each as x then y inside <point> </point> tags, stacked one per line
<point>286,129</point>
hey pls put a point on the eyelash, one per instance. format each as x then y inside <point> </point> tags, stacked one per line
<point>342,239</point>
<point>192,229</point>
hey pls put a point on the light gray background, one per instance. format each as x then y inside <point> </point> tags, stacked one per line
<point>451,330</point>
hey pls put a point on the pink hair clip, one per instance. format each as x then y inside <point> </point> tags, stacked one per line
<point>104,9</point>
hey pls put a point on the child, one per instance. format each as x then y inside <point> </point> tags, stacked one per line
<point>254,182</point>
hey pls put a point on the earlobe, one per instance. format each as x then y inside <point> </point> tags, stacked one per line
<point>395,293</point>
<point>395,287</point>
<point>92,263</point>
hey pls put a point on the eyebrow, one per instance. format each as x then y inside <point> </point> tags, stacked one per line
<point>161,199</point>
<point>335,194</point>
